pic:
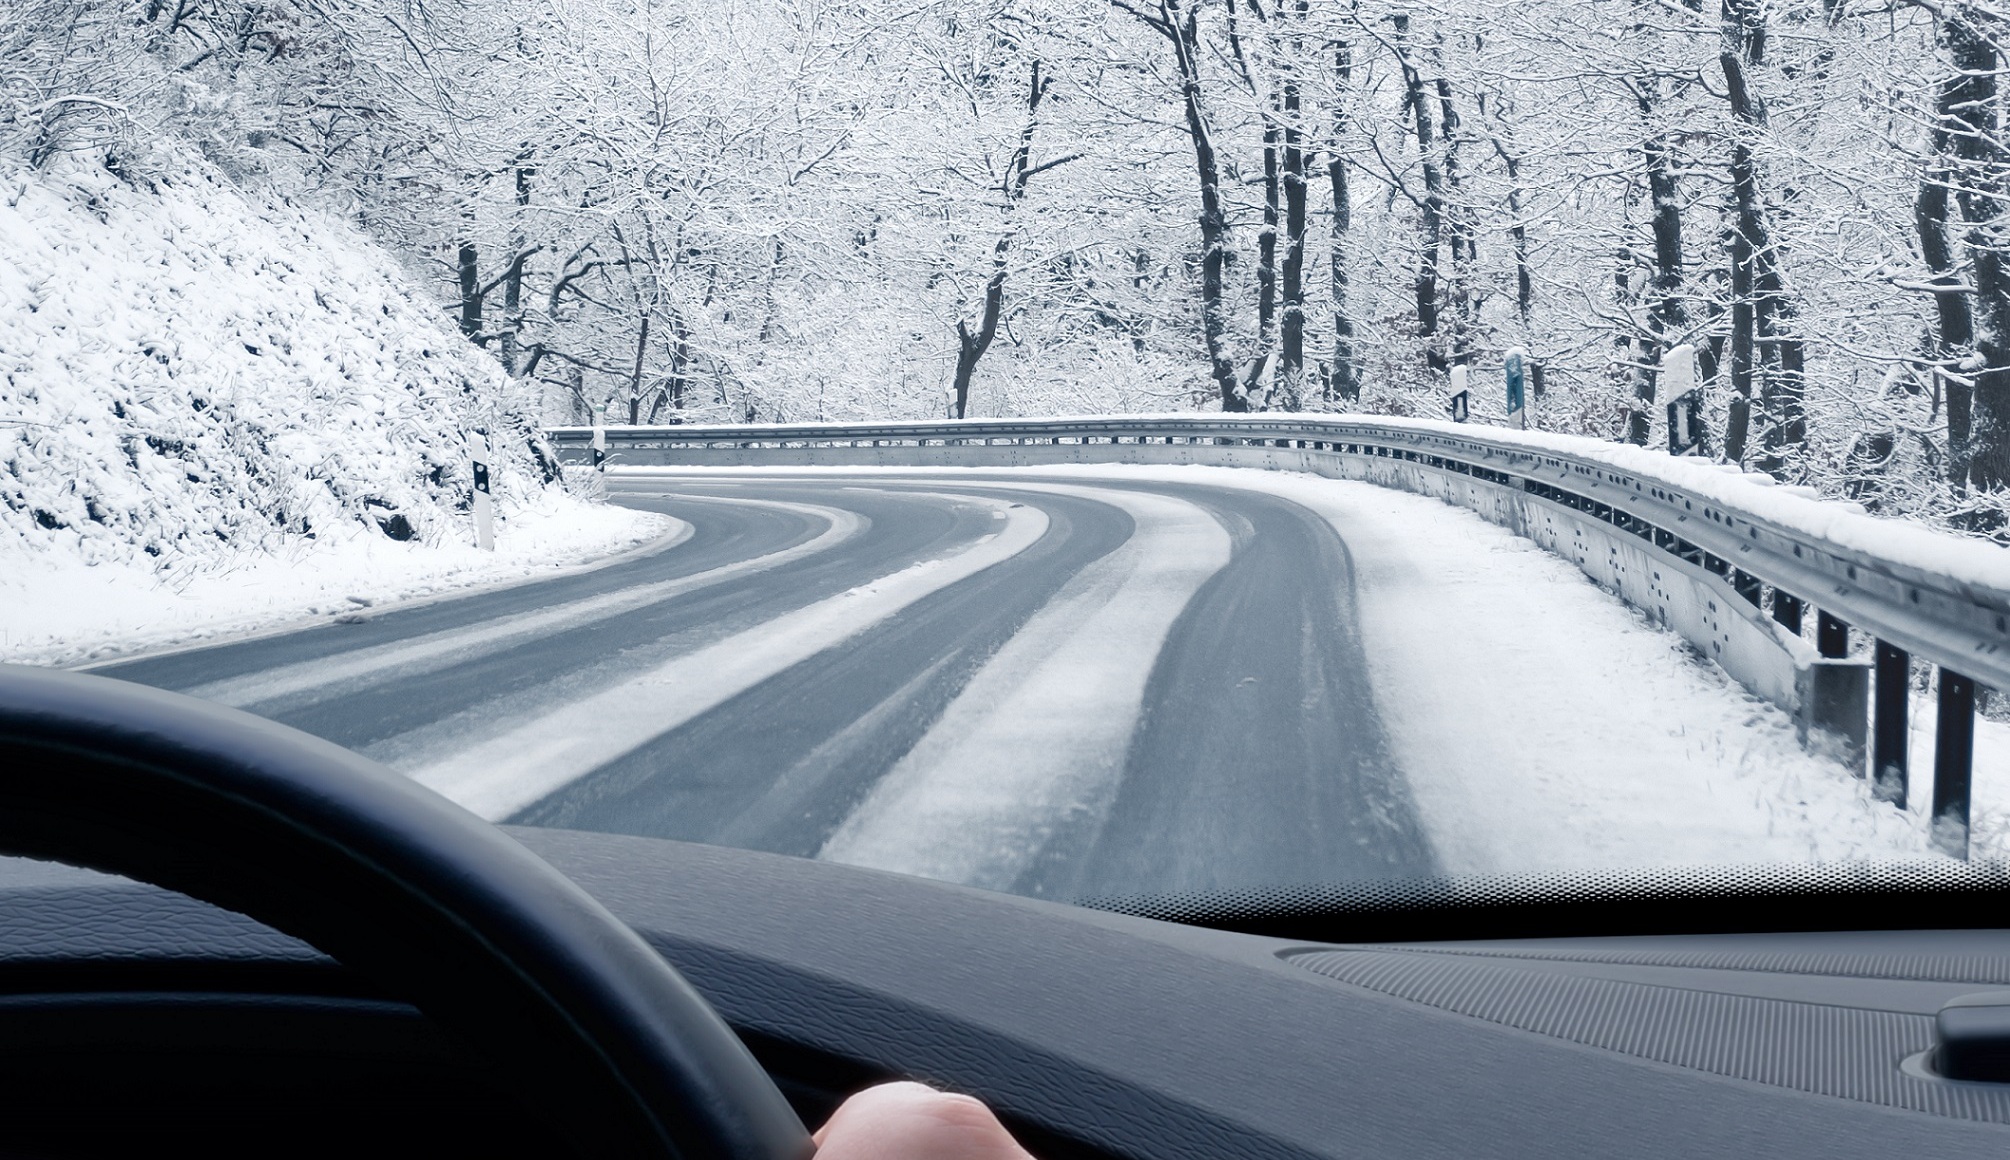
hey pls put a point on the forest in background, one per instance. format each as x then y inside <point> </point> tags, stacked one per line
<point>798,210</point>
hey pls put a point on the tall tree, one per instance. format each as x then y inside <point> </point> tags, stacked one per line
<point>971,345</point>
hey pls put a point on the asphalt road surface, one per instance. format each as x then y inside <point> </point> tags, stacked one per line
<point>1024,683</point>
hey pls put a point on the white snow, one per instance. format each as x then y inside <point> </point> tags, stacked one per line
<point>212,403</point>
<point>58,610</point>
<point>1041,731</point>
<point>497,775</point>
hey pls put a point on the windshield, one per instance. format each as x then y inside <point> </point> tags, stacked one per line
<point>1081,448</point>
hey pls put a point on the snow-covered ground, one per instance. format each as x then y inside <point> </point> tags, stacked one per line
<point>58,610</point>
<point>221,413</point>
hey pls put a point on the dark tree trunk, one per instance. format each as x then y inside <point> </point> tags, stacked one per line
<point>1183,29</point>
<point>970,346</point>
<point>513,281</point>
<point>1738,425</point>
<point>1291,358</point>
<point>1666,315</point>
<point>1460,237</point>
<point>1933,219</point>
<point>471,290</point>
<point>1266,246</point>
<point>1954,331</point>
<point>1345,383</point>
<point>635,376</point>
<point>1432,206</point>
<point>1771,321</point>
<point>680,361</point>
<point>1524,277</point>
<point>1977,133</point>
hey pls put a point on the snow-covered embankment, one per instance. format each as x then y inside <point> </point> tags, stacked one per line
<point>219,412</point>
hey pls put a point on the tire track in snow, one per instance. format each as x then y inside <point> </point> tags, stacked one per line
<point>499,776</point>
<point>275,690</point>
<point>1040,734</point>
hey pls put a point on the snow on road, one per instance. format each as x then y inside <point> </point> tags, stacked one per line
<point>60,609</point>
<point>438,650</point>
<point>501,774</point>
<point>1543,724</point>
<point>1040,733</point>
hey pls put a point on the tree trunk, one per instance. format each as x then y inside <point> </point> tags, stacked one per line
<point>1460,237</point>
<point>1183,29</point>
<point>1291,360</point>
<point>635,376</point>
<point>471,291</point>
<point>1345,383</point>
<point>1954,330</point>
<point>1666,316</point>
<point>680,361</point>
<point>1432,206</point>
<point>1771,313</point>
<point>513,283</point>
<point>1982,200</point>
<point>971,347</point>
<point>1266,246</point>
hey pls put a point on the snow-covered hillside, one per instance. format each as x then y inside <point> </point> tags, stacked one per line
<point>199,383</point>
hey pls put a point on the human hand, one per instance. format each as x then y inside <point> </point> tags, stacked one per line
<point>911,1121</point>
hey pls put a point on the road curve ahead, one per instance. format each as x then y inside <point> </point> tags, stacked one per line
<point>1022,682</point>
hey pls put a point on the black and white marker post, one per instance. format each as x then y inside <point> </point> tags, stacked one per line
<point>1685,401</point>
<point>1461,403</point>
<point>599,446</point>
<point>480,454</point>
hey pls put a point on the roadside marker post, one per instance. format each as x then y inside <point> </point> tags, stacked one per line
<point>1516,367</point>
<point>1461,403</point>
<point>599,446</point>
<point>485,513</point>
<point>1685,402</point>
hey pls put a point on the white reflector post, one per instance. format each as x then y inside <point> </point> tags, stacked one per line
<point>482,456</point>
<point>599,446</point>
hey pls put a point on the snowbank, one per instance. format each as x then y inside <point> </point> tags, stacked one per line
<point>216,408</point>
<point>57,610</point>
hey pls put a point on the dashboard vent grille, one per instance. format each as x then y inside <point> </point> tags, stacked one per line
<point>1827,1050</point>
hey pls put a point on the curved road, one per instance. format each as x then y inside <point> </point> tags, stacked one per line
<point>1018,682</point>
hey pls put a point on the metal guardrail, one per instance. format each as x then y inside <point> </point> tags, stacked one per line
<point>1918,594</point>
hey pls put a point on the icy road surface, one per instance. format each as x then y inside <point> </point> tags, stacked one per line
<point>1073,682</point>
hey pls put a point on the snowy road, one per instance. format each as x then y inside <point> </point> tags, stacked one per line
<point>1069,683</point>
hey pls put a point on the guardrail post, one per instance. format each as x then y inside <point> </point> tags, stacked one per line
<point>1787,610</point>
<point>1748,586</point>
<point>1953,762</point>
<point>1834,694</point>
<point>1892,731</point>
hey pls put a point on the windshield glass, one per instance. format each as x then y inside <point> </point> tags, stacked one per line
<point>1079,448</point>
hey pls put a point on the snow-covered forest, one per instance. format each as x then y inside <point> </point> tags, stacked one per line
<point>830,209</point>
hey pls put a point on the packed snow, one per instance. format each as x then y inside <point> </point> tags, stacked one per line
<point>219,412</point>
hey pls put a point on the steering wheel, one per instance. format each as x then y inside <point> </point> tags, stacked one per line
<point>433,904</point>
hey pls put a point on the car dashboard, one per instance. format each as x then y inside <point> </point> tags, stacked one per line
<point>133,1016</point>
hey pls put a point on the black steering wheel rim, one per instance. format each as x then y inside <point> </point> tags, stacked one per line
<point>428,901</point>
